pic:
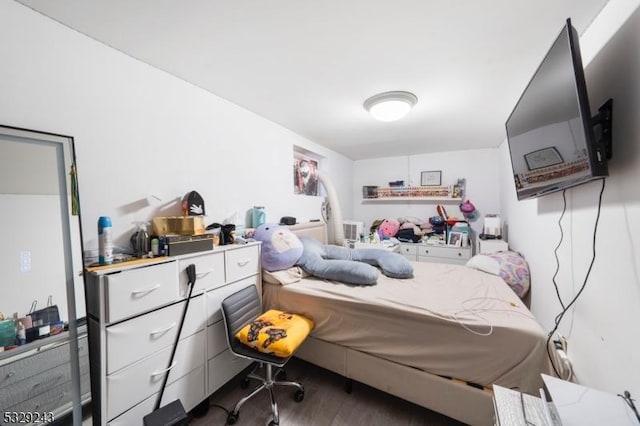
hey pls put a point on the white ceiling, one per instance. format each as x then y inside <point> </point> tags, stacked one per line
<point>309,65</point>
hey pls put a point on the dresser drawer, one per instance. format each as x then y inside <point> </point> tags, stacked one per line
<point>444,252</point>
<point>216,339</point>
<point>215,297</point>
<point>131,340</point>
<point>138,381</point>
<point>32,365</point>
<point>209,272</point>
<point>189,389</point>
<point>242,262</point>
<point>56,400</point>
<point>35,385</point>
<point>409,250</point>
<point>139,290</point>
<point>223,367</point>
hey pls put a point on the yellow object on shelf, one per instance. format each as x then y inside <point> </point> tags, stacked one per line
<point>178,225</point>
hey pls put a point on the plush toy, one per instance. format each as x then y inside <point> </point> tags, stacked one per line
<point>389,228</point>
<point>353,266</point>
<point>281,248</point>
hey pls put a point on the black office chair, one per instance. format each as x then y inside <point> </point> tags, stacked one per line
<point>238,310</point>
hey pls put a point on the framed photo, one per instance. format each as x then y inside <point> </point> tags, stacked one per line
<point>455,239</point>
<point>433,178</point>
<point>543,158</point>
<point>305,179</point>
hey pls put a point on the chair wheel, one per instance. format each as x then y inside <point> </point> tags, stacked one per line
<point>273,423</point>
<point>245,383</point>
<point>298,396</point>
<point>232,418</point>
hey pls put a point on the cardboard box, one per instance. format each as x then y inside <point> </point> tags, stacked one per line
<point>178,225</point>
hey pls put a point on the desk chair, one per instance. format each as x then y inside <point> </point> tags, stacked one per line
<point>238,310</point>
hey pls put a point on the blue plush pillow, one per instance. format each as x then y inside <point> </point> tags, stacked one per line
<point>353,266</point>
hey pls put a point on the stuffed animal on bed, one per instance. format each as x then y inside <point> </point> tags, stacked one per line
<point>281,248</point>
<point>352,266</point>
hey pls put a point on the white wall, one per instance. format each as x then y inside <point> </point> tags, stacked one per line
<point>602,326</point>
<point>140,131</point>
<point>479,167</point>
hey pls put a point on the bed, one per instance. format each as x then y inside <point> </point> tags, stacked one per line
<point>440,339</point>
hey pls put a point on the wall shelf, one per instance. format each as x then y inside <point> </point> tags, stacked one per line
<point>406,199</point>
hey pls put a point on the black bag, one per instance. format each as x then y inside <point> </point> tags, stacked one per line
<point>45,316</point>
<point>41,320</point>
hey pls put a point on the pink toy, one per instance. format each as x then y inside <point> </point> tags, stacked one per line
<point>389,227</point>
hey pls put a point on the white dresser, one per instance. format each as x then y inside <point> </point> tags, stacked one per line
<point>435,253</point>
<point>134,312</point>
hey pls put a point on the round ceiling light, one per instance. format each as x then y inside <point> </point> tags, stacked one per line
<point>390,106</point>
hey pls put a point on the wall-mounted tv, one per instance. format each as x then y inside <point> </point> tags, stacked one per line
<point>550,133</point>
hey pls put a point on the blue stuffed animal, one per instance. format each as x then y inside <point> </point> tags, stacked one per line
<point>353,266</point>
<point>281,248</point>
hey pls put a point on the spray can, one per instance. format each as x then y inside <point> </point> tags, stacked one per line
<point>105,241</point>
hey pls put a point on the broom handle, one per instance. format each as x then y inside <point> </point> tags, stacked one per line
<point>191,274</point>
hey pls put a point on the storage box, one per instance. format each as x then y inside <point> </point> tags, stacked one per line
<point>178,225</point>
<point>177,245</point>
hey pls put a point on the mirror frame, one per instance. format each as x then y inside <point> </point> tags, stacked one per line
<point>69,206</point>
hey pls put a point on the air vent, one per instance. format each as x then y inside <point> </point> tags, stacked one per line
<point>352,230</point>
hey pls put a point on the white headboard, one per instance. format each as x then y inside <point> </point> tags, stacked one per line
<point>317,230</point>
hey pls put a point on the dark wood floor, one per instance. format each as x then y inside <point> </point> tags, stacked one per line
<point>325,403</point>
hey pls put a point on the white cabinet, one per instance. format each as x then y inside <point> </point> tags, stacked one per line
<point>134,315</point>
<point>491,246</point>
<point>436,253</point>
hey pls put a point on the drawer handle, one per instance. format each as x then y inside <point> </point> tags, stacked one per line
<point>204,274</point>
<point>146,290</point>
<point>158,373</point>
<point>242,263</point>
<point>49,381</point>
<point>162,330</point>
<point>11,374</point>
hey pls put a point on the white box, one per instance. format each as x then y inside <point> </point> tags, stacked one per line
<point>491,246</point>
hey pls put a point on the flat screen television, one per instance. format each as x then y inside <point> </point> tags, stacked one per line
<point>550,133</point>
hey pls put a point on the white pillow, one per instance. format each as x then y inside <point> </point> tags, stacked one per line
<point>485,264</point>
<point>285,276</point>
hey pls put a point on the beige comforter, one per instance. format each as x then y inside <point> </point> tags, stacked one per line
<point>448,320</point>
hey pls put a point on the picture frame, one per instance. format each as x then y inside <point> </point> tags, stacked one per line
<point>305,177</point>
<point>431,178</point>
<point>542,158</point>
<point>455,239</point>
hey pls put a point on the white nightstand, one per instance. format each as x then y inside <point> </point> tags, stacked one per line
<point>490,246</point>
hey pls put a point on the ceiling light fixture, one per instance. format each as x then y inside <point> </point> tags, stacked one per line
<point>390,106</point>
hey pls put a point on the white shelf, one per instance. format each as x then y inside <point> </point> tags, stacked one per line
<point>404,199</point>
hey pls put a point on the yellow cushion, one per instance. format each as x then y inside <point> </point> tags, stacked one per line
<point>276,332</point>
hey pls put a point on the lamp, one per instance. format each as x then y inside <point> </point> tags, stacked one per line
<point>390,106</point>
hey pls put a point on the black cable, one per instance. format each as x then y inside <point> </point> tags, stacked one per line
<point>627,398</point>
<point>561,315</point>
<point>555,251</point>
<point>220,407</point>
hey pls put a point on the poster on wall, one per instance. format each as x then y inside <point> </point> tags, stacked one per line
<point>305,179</point>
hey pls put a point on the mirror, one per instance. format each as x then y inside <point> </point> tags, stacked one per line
<point>44,367</point>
